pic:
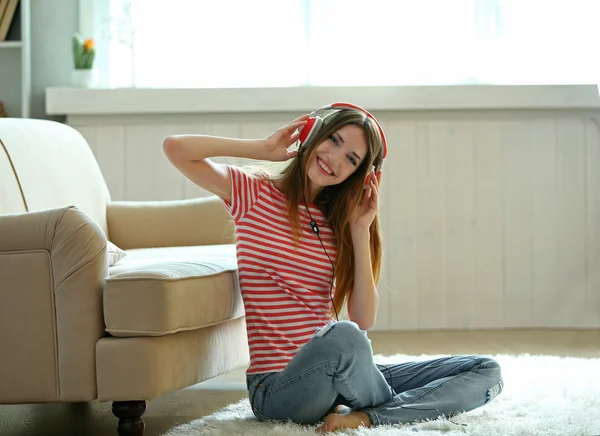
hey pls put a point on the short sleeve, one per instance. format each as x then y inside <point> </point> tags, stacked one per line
<point>245,190</point>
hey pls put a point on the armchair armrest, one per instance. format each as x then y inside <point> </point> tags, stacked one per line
<point>146,224</point>
<point>53,266</point>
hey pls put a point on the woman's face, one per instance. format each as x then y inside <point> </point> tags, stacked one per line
<point>337,157</point>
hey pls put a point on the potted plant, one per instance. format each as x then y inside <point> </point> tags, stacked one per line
<point>84,53</point>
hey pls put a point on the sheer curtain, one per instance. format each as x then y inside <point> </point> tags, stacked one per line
<point>274,43</point>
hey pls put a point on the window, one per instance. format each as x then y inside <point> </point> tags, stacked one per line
<point>272,43</point>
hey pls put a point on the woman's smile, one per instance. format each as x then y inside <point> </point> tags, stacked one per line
<point>324,168</point>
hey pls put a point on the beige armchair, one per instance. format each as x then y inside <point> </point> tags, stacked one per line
<point>74,328</point>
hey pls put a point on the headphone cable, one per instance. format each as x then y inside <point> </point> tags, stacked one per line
<point>315,229</point>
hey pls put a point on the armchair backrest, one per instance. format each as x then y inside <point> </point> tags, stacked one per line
<point>51,166</point>
<point>11,199</point>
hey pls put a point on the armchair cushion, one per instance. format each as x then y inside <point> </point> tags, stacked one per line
<point>158,291</point>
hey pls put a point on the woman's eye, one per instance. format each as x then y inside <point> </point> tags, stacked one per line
<point>352,160</point>
<point>334,140</point>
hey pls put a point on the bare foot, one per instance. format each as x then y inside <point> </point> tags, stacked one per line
<point>345,420</point>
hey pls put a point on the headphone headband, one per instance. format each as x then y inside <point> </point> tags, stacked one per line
<point>342,105</point>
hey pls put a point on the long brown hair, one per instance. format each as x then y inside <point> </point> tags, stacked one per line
<point>337,201</point>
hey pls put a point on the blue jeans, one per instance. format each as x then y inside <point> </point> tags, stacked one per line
<point>336,367</point>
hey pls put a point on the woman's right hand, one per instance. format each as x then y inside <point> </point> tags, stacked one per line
<point>277,144</point>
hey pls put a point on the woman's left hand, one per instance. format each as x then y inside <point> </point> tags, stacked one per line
<point>365,211</point>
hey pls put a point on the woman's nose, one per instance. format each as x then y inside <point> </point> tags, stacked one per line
<point>336,157</point>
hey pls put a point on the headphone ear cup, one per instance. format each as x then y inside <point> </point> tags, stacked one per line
<point>309,130</point>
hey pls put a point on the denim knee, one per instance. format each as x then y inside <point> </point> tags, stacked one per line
<point>349,330</point>
<point>347,336</point>
<point>492,367</point>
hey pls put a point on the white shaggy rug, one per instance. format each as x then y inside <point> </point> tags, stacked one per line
<point>543,395</point>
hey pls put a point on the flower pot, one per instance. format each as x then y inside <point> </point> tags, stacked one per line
<point>85,78</point>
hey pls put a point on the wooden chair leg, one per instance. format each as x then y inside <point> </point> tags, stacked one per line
<point>130,417</point>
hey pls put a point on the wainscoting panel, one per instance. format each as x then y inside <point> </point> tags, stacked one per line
<point>491,219</point>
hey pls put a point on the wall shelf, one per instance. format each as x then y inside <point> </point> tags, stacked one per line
<point>11,44</point>
<point>15,64</point>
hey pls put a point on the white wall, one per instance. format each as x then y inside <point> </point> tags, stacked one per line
<point>491,218</point>
<point>53,23</point>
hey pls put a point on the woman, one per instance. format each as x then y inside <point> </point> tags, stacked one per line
<point>308,243</point>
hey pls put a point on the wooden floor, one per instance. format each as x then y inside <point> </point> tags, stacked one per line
<point>166,412</point>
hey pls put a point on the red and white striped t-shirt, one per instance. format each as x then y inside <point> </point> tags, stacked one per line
<point>285,291</point>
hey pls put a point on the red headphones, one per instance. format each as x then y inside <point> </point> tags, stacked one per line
<point>315,122</point>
